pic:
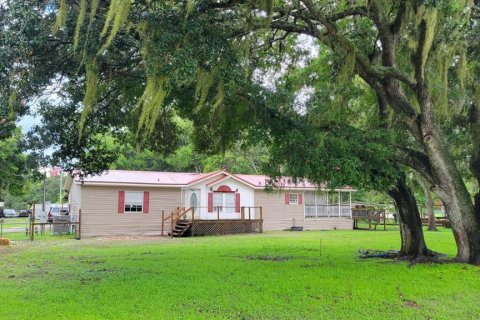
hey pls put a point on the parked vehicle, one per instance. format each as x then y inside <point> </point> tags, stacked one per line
<point>24,213</point>
<point>9,213</point>
<point>56,211</point>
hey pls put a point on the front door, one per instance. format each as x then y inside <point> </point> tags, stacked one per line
<point>193,201</point>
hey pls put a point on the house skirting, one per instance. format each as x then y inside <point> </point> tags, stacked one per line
<point>226,226</point>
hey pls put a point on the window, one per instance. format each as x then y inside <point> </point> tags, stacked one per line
<point>224,202</point>
<point>293,198</point>
<point>133,201</point>
<point>218,201</point>
<point>229,202</point>
<point>316,204</point>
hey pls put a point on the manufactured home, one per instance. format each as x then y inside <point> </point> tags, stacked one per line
<point>120,202</point>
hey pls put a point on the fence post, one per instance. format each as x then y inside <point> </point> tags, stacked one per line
<point>171,225</point>
<point>32,215</point>
<point>32,226</point>
<point>261,220</point>
<point>79,235</point>
<point>163,222</point>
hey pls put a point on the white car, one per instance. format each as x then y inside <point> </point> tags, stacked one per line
<point>9,213</point>
<point>56,212</point>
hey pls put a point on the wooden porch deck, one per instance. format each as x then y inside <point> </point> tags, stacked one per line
<point>182,224</point>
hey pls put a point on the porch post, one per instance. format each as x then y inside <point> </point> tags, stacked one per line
<point>218,213</point>
<point>242,214</point>
<point>328,209</point>
<point>339,204</point>
<point>261,220</point>
<point>193,222</point>
<point>350,204</point>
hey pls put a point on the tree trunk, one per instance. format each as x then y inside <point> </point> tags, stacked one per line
<point>432,224</point>
<point>474,118</point>
<point>413,242</point>
<point>456,198</point>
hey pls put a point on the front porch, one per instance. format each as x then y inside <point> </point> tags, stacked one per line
<point>186,222</point>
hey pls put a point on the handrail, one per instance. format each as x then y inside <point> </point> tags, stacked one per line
<point>174,216</point>
<point>184,213</point>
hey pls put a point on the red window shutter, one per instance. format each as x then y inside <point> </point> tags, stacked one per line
<point>300,198</point>
<point>237,202</point>
<point>287,198</point>
<point>210,202</point>
<point>146,201</point>
<point>121,201</point>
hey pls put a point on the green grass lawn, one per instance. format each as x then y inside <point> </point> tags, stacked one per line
<point>279,275</point>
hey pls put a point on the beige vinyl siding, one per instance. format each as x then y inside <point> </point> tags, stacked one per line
<point>100,211</point>
<point>75,195</point>
<point>276,214</point>
<point>327,224</point>
<point>280,216</point>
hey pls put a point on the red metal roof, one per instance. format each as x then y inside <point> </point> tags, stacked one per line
<point>144,177</point>
<point>188,178</point>
<point>264,181</point>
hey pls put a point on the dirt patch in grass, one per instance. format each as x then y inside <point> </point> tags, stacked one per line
<point>102,270</point>
<point>407,302</point>
<point>368,254</point>
<point>411,304</point>
<point>129,238</point>
<point>267,258</point>
<point>90,260</point>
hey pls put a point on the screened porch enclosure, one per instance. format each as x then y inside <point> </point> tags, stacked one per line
<point>328,204</point>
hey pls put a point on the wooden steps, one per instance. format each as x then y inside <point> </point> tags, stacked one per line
<point>181,227</point>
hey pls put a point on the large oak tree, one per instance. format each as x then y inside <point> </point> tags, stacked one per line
<point>135,59</point>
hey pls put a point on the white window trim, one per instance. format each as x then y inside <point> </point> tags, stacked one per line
<point>130,202</point>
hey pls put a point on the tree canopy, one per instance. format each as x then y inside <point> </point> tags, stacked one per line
<point>380,86</point>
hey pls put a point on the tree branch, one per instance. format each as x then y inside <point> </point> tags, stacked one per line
<point>397,23</point>
<point>354,11</point>
<point>416,160</point>
<point>383,72</point>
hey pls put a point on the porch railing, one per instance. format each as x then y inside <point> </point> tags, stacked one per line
<point>182,213</point>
